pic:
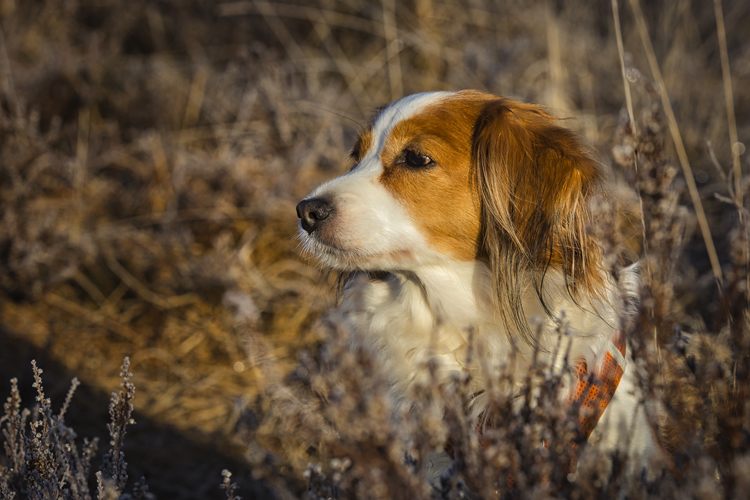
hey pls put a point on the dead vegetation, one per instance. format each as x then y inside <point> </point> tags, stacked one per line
<point>151,155</point>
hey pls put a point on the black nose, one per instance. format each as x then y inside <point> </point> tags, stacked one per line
<point>313,212</point>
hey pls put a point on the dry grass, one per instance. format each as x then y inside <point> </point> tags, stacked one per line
<point>151,155</point>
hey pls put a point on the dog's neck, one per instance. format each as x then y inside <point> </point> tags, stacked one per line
<point>459,293</point>
<point>439,311</point>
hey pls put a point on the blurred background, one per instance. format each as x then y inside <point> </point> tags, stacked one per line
<point>152,154</point>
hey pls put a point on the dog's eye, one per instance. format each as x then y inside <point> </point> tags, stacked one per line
<point>417,159</point>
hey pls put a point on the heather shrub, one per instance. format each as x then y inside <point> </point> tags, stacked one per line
<point>152,153</point>
<point>42,454</point>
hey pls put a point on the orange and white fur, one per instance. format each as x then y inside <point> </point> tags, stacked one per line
<point>464,220</point>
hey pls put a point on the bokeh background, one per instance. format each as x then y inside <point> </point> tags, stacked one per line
<point>152,154</point>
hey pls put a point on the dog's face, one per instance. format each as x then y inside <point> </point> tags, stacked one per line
<point>408,200</point>
<point>457,176</point>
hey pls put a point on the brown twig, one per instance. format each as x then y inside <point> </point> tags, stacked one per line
<point>677,138</point>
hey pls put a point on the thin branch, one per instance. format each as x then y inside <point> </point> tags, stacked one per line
<point>677,139</point>
<point>621,50</point>
<point>393,47</point>
<point>729,98</point>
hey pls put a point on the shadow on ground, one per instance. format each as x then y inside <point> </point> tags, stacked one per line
<point>174,465</point>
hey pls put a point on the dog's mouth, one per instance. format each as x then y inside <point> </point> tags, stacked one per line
<point>330,254</point>
<point>356,260</point>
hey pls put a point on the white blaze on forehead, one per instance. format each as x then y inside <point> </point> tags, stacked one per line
<point>370,165</point>
<point>368,220</point>
<point>399,111</point>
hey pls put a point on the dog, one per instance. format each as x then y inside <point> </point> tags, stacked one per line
<point>465,220</point>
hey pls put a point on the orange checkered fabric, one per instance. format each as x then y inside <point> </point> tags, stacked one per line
<point>594,391</point>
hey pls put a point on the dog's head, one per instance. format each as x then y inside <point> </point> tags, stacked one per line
<point>461,176</point>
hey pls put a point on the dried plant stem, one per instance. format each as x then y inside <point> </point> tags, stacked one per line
<point>6,76</point>
<point>391,43</point>
<point>677,138</point>
<point>82,152</point>
<point>556,66</point>
<point>631,115</point>
<point>268,11</point>
<point>69,397</point>
<point>621,50</point>
<point>195,99</point>
<point>144,291</point>
<point>729,99</point>
<point>344,65</point>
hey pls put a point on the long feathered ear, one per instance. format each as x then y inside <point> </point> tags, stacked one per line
<point>534,179</point>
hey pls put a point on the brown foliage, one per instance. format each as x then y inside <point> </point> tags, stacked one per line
<point>151,155</point>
